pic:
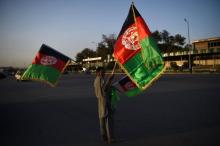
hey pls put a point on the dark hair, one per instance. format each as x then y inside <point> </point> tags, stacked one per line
<point>98,69</point>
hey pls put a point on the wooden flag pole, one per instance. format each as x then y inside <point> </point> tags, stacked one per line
<point>107,126</point>
<point>113,70</point>
<point>132,6</point>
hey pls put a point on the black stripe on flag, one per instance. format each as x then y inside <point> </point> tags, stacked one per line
<point>46,50</point>
<point>129,20</point>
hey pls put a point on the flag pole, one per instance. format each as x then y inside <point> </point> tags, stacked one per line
<point>109,138</point>
<point>132,6</point>
<point>113,70</point>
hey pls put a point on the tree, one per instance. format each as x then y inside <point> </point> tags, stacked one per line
<point>179,40</point>
<point>169,43</point>
<point>157,36</point>
<point>85,54</point>
<point>188,47</point>
<point>165,36</point>
<point>106,46</point>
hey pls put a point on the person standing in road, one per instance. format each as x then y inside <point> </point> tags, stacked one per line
<point>102,88</point>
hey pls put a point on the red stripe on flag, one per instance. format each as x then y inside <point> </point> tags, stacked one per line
<point>58,64</point>
<point>143,30</point>
<point>128,86</point>
<point>121,53</point>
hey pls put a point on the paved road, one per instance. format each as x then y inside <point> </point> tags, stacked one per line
<point>176,110</point>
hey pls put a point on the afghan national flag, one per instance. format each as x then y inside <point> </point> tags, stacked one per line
<point>46,66</point>
<point>137,52</point>
<point>127,86</point>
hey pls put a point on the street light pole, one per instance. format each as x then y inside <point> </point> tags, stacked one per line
<point>190,65</point>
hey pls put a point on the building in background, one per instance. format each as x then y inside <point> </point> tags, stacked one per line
<point>207,50</point>
<point>208,45</point>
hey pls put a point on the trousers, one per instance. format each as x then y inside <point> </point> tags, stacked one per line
<point>107,126</point>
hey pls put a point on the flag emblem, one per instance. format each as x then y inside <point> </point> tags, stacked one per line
<point>47,66</point>
<point>130,39</point>
<point>48,60</point>
<point>129,86</point>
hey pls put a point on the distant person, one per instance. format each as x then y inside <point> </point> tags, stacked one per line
<point>103,94</point>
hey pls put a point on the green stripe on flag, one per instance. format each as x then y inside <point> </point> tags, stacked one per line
<point>133,92</point>
<point>150,50</point>
<point>146,64</point>
<point>43,73</point>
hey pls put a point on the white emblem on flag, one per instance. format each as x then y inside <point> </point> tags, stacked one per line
<point>130,39</point>
<point>48,60</point>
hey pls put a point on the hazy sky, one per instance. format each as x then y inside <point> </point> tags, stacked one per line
<point>72,25</point>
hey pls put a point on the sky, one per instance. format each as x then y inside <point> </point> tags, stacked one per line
<point>69,26</point>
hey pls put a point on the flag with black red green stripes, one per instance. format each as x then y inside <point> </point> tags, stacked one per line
<point>136,51</point>
<point>127,86</point>
<point>47,66</point>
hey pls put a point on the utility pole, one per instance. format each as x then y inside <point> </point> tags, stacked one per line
<point>190,65</point>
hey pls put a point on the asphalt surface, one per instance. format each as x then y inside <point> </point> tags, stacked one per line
<point>179,109</point>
